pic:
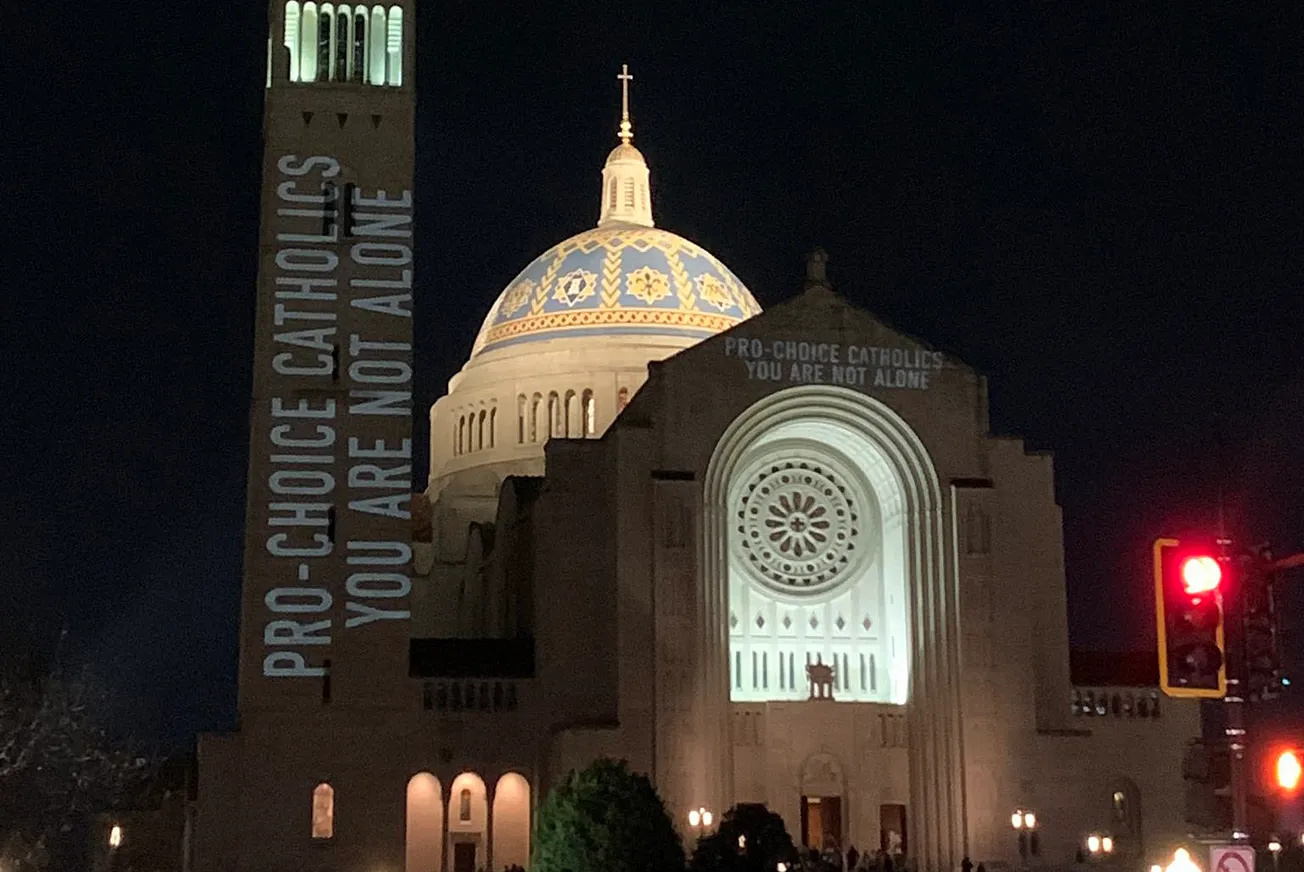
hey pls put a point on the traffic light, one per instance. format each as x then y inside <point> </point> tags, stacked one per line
<point>1189,619</point>
<point>1262,641</point>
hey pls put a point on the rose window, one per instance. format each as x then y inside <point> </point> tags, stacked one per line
<point>799,526</point>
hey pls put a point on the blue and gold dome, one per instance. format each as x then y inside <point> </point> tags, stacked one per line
<point>624,277</point>
<point>618,279</point>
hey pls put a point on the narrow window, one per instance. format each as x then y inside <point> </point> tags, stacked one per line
<point>622,399</point>
<point>873,675</point>
<point>308,43</point>
<point>590,414</point>
<point>535,408</point>
<point>324,20</point>
<point>479,433</point>
<point>611,197</point>
<point>520,419</point>
<point>359,66</point>
<point>464,805</point>
<point>554,414</point>
<point>292,37</point>
<point>629,193</point>
<point>756,675</point>
<point>376,51</point>
<point>394,46</point>
<point>765,671</point>
<point>572,425</point>
<point>323,811</point>
<point>340,68</point>
<point>493,424</point>
<point>738,669</point>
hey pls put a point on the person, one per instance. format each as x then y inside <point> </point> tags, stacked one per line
<point>966,865</point>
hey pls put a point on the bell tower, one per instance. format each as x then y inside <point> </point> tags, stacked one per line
<point>328,538</point>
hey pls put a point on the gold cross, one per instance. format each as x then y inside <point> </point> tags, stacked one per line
<point>626,129</point>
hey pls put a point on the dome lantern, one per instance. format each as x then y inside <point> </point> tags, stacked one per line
<point>626,198</point>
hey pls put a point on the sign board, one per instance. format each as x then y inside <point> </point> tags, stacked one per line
<point>1231,858</point>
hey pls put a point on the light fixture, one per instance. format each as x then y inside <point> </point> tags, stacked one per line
<point>781,867</point>
<point>1030,820</point>
<point>1016,820</point>
<point>706,818</point>
<point>1107,844</point>
<point>694,818</point>
<point>1093,843</point>
<point>742,842</point>
<point>700,817</point>
<point>115,836</point>
<point>1275,845</point>
<point>1182,862</point>
<point>1156,868</point>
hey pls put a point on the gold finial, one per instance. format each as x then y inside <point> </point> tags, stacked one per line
<point>626,129</point>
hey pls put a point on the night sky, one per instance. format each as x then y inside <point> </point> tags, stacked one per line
<point>1098,205</point>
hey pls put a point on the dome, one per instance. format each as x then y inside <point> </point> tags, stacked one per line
<point>618,279</point>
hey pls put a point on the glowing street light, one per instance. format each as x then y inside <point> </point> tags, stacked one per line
<point>1182,862</point>
<point>115,837</point>
<point>700,817</point>
<point>1093,843</point>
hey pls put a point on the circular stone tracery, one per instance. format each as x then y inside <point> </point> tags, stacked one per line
<point>799,525</point>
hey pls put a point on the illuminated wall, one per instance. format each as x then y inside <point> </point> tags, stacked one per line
<point>816,568</point>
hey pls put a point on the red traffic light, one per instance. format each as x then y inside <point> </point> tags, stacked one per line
<point>1288,771</point>
<point>1201,575</point>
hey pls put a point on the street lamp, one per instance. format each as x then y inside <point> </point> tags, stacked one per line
<point>1274,847</point>
<point>1182,862</point>
<point>1024,823</point>
<point>700,818</point>
<point>115,837</point>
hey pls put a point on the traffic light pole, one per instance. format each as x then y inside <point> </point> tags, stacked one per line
<point>1237,687</point>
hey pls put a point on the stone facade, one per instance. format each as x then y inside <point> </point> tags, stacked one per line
<point>771,557</point>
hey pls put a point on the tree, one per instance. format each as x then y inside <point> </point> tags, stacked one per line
<point>750,838</point>
<point>57,765</point>
<point>604,818</point>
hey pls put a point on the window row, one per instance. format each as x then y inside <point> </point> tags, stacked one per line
<point>540,418</point>
<point>475,431</point>
<point>1100,703</point>
<point>329,43</point>
<point>485,696</point>
<point>482,827</point>
<point>783,675</point>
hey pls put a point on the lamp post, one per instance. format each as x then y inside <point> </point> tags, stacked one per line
<point>700,819</point>
<point>1274,848</point>
<point>1024,823</point>
<point>115,842</point>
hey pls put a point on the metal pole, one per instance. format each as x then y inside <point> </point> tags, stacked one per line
<point>1237,737</point>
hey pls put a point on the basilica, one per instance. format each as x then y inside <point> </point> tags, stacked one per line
<point>772,557</point>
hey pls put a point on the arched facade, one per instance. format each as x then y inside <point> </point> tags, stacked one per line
<point>468,823</point>
<point>425,824</point>
<point>896,463</point>
<point>511,822</point>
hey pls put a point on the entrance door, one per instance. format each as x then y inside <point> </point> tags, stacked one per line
<point>821,822</point>
<point>892,828</point>
<point>464,857</point>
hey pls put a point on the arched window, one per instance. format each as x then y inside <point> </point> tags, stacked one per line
<point>611,195</point>
<point>571,426</point>
<point>323,811</point>
<point>394,46</point>
<point>340,68</point>
<point>493,424</point>
<point>629,193</point>
<point>464,805</point>
<point>554,414</point>
<point>291,39</point>
<point>359,61</point>
<point>520,419</point>
<point>622,399</point>
<point>376,51</point>
<point>536,406</point>
<point>479,432</point>
<point>308,43</point>
<point>590,414</point>
<point>461,434</point>
<point>324,20</point>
